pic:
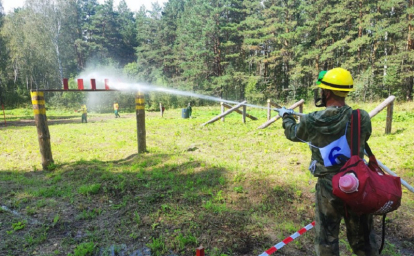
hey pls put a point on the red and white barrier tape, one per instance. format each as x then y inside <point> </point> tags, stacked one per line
<point>288,239</point>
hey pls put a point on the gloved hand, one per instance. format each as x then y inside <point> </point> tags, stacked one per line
<point>284,111</point>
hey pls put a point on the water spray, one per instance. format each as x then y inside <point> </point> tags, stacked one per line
<point>120,85</point>
<point>149,88</point>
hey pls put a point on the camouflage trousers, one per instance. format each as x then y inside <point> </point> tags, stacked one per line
<point>84,118</point>
<point>329,211</point>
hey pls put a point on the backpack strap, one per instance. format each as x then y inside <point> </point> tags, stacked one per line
<point>355,132</point>
<point>355,143</point>
<point>368,150</point>
<point>383,233</point>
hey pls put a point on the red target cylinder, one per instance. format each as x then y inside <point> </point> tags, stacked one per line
<point>80,84</point>
<point>65,84</point>
<point>93,84</point>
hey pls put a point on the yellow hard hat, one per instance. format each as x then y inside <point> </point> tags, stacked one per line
<point>337,79</point>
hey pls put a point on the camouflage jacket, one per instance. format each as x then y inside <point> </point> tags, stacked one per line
<point>320,128</point>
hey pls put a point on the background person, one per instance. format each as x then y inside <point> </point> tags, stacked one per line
<point>189,110</point>
<point>116,109</point>
<point>328,134</point>
<point>84,112</point>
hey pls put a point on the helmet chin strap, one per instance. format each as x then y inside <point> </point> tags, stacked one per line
<point>320,102</point>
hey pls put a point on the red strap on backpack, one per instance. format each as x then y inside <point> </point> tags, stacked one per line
<point>355,132</point>
<point>356,137</point>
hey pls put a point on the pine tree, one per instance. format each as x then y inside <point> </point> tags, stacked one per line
<point>85,43</point>
<point>171,15</point>
<point>4,59</point>
<point>127,30</point>
<point>149,53</point>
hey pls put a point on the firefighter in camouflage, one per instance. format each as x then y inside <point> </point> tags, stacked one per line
<point>327,132</point>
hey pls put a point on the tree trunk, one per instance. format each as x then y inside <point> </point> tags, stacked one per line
<point>409,90</point>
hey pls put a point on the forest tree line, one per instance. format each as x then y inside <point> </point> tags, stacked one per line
<point>234,49</point>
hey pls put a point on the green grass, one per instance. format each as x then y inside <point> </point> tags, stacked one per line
<point>233,188</point>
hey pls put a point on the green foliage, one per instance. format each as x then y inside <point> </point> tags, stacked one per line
<point>88,215</point>
<point>89,189</point>
<point>137,218</point>
<point>157,246</point>
<point>18,226</point>
<point>183,241</point>
<point>84,249</point>
<point>56,219</point>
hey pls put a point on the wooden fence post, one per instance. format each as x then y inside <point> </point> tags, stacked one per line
<point>300,110</point>
<point>390,110</point>
<point>272,120</point>
<point>222,110</point>
<point>224,114</point>
<point>140,112</point>
<point>389,102</point>
<point>39,109</point>
<point>238,111</point>
<point>269,110</point>
<point>244,114</point>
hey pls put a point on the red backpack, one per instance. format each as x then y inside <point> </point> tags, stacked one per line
<point>377,193</point>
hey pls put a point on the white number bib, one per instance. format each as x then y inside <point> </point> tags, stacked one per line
<point>337,152</point>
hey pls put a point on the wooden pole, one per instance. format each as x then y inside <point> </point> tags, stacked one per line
<point>140,112</point>
<point>275,105</point>
<point>244,114</point>
<point>390,110</point>
<point>238,111</point>
<point>389,103</point>
<point>222,110</point>
<point>381,106</point>
<point>274,119</point>
<point>39,110</point>
<point>269,110</point>
<point>162,112</point>
<point>224,114</point>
